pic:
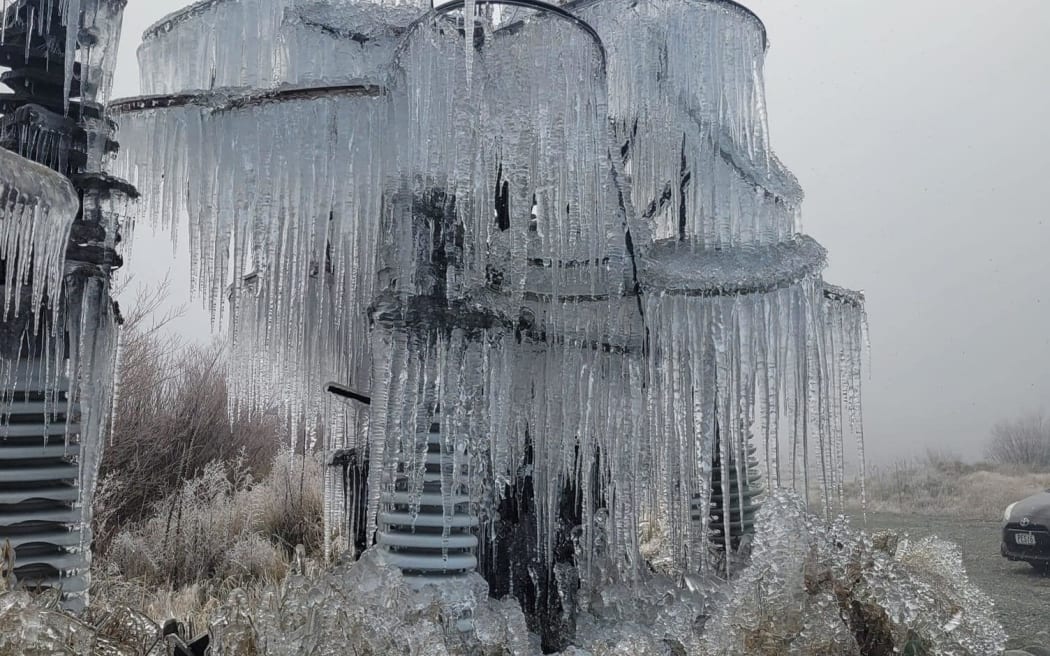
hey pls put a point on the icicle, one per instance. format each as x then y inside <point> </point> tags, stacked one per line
<point>71,19</point>
<point>37,210</point>
<point>455,243</point>
<point>703,61</point>
<point>298,278</point>
<point>269,43</point>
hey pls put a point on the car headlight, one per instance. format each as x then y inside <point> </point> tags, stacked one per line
<point>1009,509</point>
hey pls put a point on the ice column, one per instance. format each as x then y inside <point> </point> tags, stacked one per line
<point>276,168</point>
<point>740,364</point>
<point>59,365</point>
<point>506,226</point>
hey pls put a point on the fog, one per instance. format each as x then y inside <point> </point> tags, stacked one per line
<point>919,135</point>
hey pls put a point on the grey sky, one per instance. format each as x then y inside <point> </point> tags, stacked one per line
<point>918,129</point>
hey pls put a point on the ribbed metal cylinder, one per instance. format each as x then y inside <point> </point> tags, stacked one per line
<point>415,530</point>
<point>734,497</point>
<point>40,511</point>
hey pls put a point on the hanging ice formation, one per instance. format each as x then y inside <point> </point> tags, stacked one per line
<point>552,245</point>
<point>59,219</point>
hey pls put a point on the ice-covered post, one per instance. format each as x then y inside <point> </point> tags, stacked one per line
<point>60,349</point>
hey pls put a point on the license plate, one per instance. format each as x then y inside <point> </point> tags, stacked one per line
<point>1027,539</point>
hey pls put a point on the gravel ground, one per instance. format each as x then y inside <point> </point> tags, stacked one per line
<point>1021,595</point>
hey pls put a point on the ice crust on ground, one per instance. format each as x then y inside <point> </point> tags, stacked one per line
<point>789,600</point>
<point>812,586</point>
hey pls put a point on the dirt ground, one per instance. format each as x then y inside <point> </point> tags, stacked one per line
<point>1021,595</point>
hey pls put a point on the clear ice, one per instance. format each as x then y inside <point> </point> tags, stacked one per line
<point>618,244</point>
<point>829,589</point>
<point>60,326</point>
<point>37,208</point>
<point>539,245</point>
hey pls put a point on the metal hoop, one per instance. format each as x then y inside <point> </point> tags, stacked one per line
<point>731,4</point>
<point>527,4</point>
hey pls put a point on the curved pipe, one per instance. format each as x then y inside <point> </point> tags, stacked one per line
<point>527,4</point>
<point>731,4</point>
<point>169,22</point>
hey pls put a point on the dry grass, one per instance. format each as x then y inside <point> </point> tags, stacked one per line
<point>193,500</point>
<point>220,531</point>
<point>943,485</point>
<point>171,419</point>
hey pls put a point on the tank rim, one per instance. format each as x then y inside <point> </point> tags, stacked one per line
<point>795,259</point>
<point>168,22</point>
<point>235,98</point>
<point>553,10</point>
<point>733,5</point>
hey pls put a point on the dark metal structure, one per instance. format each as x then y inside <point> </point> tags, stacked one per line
<point>42,469</point>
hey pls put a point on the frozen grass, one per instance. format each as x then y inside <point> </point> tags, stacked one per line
<point>945,486</point>
<point>221,530</point>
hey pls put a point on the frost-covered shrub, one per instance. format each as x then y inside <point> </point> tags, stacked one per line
<point>190,533</point>
<point>193,605</point>
<point>172,418</point>
<point>289,503</point>
<point>1023,442</point>
<point>223,528</point>
<point>252,557</point>
<point>814,589</point>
